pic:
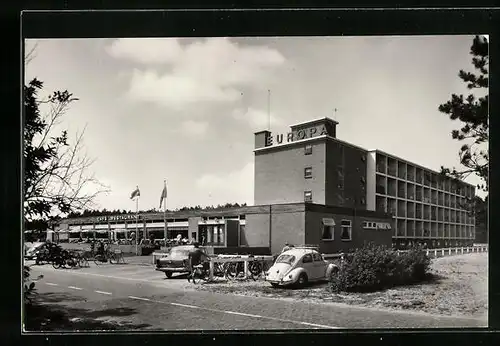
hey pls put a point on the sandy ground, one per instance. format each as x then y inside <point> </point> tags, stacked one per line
<point>460,289</point>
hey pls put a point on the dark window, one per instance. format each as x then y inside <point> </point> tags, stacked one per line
<point>307,259</point>
<point>307,196</point>
<point>328,229</point>
<point>308,172</point>
<point>308,149</point>
<point>317,257</point>
<point>346,230</point>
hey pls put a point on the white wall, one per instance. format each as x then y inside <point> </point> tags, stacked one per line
<point>371,161</point>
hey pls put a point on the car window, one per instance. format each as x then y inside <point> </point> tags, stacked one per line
<point>307,258</point>
<point>317,257</point>
<point>288,259</point>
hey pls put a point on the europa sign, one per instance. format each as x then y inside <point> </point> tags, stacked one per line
<point>320,130</point>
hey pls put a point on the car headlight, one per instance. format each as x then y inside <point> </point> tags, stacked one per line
<point>287,277</point>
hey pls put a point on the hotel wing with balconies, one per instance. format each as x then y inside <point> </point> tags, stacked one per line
<point>309,164</point>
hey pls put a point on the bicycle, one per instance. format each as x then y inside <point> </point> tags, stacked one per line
<point>102,257</point>
<point>200,272</point>
<point>64,259</point>
<point>234,270</point>
<point>82,259</point>
<point>116,257</point>
<point>257,268</point>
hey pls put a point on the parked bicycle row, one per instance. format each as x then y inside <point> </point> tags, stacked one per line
<point>50,253</point>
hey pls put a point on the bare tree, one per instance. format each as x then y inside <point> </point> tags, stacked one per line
<point>57,177</point>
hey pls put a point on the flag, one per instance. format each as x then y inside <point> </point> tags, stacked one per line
<point>135,193</point>
<point>163,194</point>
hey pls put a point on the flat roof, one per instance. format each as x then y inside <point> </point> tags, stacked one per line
<point>315,121</point>
<point>305,140</point>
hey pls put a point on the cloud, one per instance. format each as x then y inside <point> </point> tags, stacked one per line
<point>211,70</point>
<point>235,186</point>
<point>196,128</point>
<point>258,119</point>
<point>146,50</point>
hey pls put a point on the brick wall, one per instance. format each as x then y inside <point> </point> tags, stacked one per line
<point>287,227</point>
<point>257,230</point>
<point>279,174</point>
<point>354,172</point>
<point>360,236</point>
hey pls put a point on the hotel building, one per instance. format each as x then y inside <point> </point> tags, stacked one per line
<point>312,188</point>
<point>311,164</point>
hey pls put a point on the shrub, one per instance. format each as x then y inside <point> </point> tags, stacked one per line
<point>374,267</point>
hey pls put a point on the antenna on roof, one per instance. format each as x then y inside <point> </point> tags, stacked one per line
<point>335,114</point>
<point>268,109</point>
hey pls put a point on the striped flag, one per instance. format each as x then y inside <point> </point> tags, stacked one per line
<point>163,194</point>
<point>135,193</point>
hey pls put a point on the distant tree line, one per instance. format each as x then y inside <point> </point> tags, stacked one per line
<point>105,212</point>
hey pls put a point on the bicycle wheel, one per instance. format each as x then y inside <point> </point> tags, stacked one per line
<point>255,269</point>
<point>231,271</point>
<point>56,263</point>
<point>193,276</point>
<point>97,259</point>
<point>112,258</point>
<point>72,262</point>
<point>83,262</point>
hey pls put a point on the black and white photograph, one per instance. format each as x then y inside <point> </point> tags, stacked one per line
<point>255,183</point>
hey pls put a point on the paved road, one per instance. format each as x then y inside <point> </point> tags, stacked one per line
<point>172,304</point>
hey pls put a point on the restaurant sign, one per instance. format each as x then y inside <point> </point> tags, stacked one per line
<point>304,133</point>
<point>116,217</point>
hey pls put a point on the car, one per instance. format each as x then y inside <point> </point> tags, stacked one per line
<point>176,261</point>
<point>33,249</point>
<point>298,266</point>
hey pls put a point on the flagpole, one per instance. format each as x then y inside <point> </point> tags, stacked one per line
<point>165,229</point>
<point>136,223</point>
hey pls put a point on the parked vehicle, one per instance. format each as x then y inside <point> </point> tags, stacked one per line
<point>31,251</point>
<point>176,261</point>
<point>298,266</point>
<point>64,259</point>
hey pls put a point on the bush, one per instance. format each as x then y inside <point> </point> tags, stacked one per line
<point>376,267</point>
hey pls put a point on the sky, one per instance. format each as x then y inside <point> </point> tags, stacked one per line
<point>186,109</point>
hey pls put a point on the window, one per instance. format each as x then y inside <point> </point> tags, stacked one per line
<point>288,259</point>
<point>308,149</point>
<point>308,196</point>
<point>346,227</point>
<point>307,258</point>
<point>317,257</point>
<point>328,229</point>
<point>308,172</point>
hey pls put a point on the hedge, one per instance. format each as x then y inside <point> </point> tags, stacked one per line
<point>374,267</point>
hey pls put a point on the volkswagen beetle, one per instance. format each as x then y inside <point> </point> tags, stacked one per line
<point>298,266</point>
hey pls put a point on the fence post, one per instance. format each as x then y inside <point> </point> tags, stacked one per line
<point>245,266</point>
<point>211,265</point>
<point>442,252</point>
<point>435,253</point>
<point>462,250</point>
<point>427,252</point>
<point>449,251</point>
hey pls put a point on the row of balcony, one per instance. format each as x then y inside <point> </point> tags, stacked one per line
<point>411,191</point>
<point>421,211</point>
<point>395,168</point>
<point>411,228</point>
